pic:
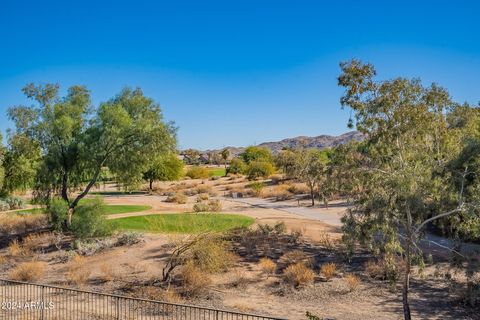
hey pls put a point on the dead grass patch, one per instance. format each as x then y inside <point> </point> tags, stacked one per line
<point>299,275</point>
<point>28,271</point>
<point>195,281</point>
<point>328,270</point>
<point>78,271</point>
<point>267,266</point>
<point>352,282</point>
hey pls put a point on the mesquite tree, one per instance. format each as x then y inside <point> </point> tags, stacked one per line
<point>77,140</point>
<point>408,166</point>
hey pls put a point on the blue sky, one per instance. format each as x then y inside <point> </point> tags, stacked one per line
<point>236,72</point>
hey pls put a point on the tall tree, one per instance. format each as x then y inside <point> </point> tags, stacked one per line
<point>78,140</point>
<point>403,166</point>
<point>311,167</point>
<point>165,167</point>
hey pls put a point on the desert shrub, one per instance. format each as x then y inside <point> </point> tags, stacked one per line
<point>201,207</point>
<point>211,254</point>
<point>15,203</point>
<point>28,271</point>
<point>259,169</point>
<point>195,281</point>
<point>15,249</point>
<point>277,229</point>
<point>89,220</point>
<point>276,178</point>
<point>375,269</point>
<point>215,205</point>
<point>326,241</point>
<point>328,270</point>
<point>256,188</point>
<point>352,282</point>
<point>4,206</point>
<point>129,238</point>
<point>107,271</point>
<point>298,188</point>
<point>78,271</point>
<point>202,197</point>
<point>267,266</point>
<point>298,275</point>
<point>91,247</point>
<point>57,210</point>
<point>197,172</point>
<point>280,193</point>
<point>238,279</point>
<point>237,166</point>
<point>178,197</point>
<point>21,224</point>
<point>203,188</point>
<point>295,257</point>
<point>30,242</point>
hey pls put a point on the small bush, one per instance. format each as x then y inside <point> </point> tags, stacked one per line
<point>259,169</point>
<point>328,270</point>
<point>375,269</point>
<point>279,192</point>
<point>28,271</point>
<point>195,281</point>
<point>89,220</point>
<point>267,266</point>
<point>197,172</point>
<point>238,279</point>
<point>15,203</point>
<point>257,188</point>
<point>129,238</point>
<point>299,275</point>
<point>201,207</point>
<point>237,166</point>
<point>178,197</point>
<point>212,254</point>
<point>15,249</point>
<point>78,271</point>
<point>295,257</point>
<point>91,247</point>
<point>4,206</point>
<point>57,210</point>
<point>107,271</point>
<point>214,205</point>
<point>202,197</point>
<point>352,281</point>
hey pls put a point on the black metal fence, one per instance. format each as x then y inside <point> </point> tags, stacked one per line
<point>20,300</point>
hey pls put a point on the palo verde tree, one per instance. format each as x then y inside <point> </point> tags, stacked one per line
<point>225,153</point>
<point>77,140</point>
<point>405,165</point>
<point>165,167</point>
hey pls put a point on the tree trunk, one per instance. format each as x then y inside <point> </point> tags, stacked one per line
<point>151,186</point>
<point>69,218</point>
<point>406,286</point>
<point>312,195</point>
<point>406,279</point>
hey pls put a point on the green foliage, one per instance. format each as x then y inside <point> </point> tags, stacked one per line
<point>253,153</point>
<point>197,172</point>
<point>237,166</point>
<point>286,160</point>
<point>165,167</point>
<point>77,141</point>
<point>256,187</point>
<point>89,220</point>
<point>259,169</point>
<point>57,212</point>
<point>15,202</point>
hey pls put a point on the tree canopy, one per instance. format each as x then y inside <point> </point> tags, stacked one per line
<point>77,140</point>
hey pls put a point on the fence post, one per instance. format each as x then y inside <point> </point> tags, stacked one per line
<point>117,299</point>
<point>42,303</point>
<point>216,315</point>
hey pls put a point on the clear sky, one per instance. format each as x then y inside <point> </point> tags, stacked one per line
<point>236,72</point>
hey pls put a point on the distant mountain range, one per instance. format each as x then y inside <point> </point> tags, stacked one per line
<point>320,142</point>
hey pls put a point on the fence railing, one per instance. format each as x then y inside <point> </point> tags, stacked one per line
<point>20,300</point>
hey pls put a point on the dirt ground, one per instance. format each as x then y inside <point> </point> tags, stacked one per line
<point>135,266</point>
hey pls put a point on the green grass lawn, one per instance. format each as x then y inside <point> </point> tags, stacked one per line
<point>119,208</point>
<point>30,211</point>
<point>217,172</point>
<point>184,222</point>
